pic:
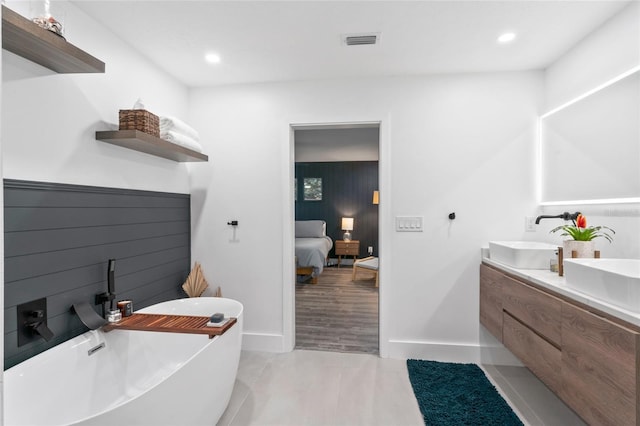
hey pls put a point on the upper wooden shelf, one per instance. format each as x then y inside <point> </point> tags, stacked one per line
<point>26,39</point>
<point>144,142</point>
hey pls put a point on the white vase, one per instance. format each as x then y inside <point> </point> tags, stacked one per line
<point>582,248</point>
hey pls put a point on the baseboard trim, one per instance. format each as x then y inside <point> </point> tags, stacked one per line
<point>451,352</point>
<point>486,353</point>
<point>263,342</point>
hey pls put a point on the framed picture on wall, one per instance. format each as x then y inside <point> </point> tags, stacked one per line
<point>312,189</point>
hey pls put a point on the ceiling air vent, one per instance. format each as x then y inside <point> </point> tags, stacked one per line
<point>360,39</point>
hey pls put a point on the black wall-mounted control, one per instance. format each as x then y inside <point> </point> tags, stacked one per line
<point>233,223</point>
<point>452,215</point>
<point>32,322</point>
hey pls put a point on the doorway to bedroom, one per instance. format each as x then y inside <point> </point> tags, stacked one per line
<point>336,242</point>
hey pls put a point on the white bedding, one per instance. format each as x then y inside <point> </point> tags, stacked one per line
<point>313,252</point>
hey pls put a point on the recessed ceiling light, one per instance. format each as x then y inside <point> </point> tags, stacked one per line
<point>212,58</point>
<point>506,37</point>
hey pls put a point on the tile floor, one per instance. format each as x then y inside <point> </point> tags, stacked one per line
<point>329,388</point>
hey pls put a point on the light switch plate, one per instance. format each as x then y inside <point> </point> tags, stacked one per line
<point>409,223</point>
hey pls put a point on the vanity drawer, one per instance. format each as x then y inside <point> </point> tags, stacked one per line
<point>541,357</point>
<point>599,368</point>
<point>491,300</point>
<point>539,311</point>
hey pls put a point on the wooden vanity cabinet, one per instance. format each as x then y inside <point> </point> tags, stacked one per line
<point>491,300</point>
<point>537,354</point>
<point>537,310</point>
<point>588,358</point>
<point>531,330</point>
<point>599,368</point>
<point>526,320</point>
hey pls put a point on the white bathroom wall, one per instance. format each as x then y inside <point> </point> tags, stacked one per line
<point>602,55</point>
<point>606,53</point>
<point>49,120</point>
<point>452,143</point>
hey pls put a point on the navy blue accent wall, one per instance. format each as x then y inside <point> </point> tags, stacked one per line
<point>58,239</point>
<point>347,192</point>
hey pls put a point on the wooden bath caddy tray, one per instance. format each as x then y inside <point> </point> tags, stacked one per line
<point>170,324</point>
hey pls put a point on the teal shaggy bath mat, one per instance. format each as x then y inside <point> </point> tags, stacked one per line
<point>457,394</point>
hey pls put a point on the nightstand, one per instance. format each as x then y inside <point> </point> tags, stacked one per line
<point>347,248</point>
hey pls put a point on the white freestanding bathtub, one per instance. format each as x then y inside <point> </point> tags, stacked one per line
<point>130,377</point>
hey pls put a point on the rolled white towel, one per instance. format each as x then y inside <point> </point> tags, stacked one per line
<point>177,125</point>
<point>180,139</point>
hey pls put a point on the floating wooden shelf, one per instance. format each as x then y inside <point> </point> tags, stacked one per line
<point>144,142</point>
<point>169,324</point>
<point>26,39</point>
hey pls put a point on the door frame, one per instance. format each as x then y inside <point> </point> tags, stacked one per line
<point>384,231</point>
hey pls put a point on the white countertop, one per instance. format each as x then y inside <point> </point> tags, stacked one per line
<point>552,281</point>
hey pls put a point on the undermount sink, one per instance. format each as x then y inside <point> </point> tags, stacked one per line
<point>616,281</point>
<point>522,254</point>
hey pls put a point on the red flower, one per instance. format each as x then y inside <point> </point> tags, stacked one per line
<point>579,231</point>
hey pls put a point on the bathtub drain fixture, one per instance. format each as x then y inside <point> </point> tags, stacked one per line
<point>95,349</point>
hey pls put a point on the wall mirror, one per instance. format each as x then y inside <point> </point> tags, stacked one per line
<point>590,147</point>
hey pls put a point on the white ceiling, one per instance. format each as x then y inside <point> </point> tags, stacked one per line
<point>261,41</point>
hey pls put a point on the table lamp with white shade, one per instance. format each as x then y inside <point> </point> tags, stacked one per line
<point>347,226</point>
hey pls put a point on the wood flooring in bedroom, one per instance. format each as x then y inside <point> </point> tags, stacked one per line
<point>338,314</point>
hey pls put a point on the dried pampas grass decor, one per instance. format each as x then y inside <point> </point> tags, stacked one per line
<point>195,284</point>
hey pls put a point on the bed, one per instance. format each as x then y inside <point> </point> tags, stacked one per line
<point>312,247</point>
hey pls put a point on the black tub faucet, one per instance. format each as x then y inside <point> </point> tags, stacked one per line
<point>565,216</point>
<point>110,295</point>
<point>36,321</point>
<point>88,316</point>
<point>31,318</point>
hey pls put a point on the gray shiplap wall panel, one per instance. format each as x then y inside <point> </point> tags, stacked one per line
<point>58,239</point>
<point>67,280</point>
<point>90,200</point>
<point>30,242</point>
<point>29,289</point>
<point>129,269</point>
<point>21,267</point>
<point>18,195</point>
<point>59,305</point>
<point>125,288</point>
<point>25,218</point>
<point>156,265</point>
<point>165,284</point>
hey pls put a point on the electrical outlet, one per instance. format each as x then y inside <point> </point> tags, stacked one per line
<point>370,250</point>
<point>530,224</point>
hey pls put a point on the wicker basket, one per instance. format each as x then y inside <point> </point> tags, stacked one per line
<point>140,119</point>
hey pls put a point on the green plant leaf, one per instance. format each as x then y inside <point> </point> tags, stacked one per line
<point>585,234</point>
